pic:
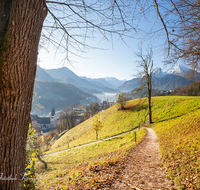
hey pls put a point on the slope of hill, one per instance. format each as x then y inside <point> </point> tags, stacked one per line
<point>167,82</point>
<point>170,82</point>
<point>42,75</point>
<point>176,122</point>
<point>59,95</point>
<point>114,81</point>
<point>179,139</point>
<point>99,82</point>
<point>66,75</point>
<point>129,85</point>
<point>126,120</point>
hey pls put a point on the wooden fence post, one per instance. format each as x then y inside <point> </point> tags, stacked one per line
<point>135,135</point>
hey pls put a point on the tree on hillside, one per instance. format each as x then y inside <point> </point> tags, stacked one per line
<point>86,115</point>
<point>31,156</point>
<point>121,99</point>
<point>146,65</point>
<point>106,105</point>
<point>35,105</point>
<point>67,119</point>
<point>94,108</point>
<point>97,125</point>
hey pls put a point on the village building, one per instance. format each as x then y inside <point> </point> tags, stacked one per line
<point>44,124</point>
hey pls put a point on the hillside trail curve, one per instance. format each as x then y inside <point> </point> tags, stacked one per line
<point>144,170</point>
<point>98,141</point>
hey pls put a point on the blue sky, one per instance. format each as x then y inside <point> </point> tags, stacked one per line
<point>117,61</point>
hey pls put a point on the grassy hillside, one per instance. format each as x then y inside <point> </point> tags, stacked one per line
<point>86,167</point>
<point>92,165</point>
<point>114,121</point>
<point>179,138</point>
<point>176,122</point>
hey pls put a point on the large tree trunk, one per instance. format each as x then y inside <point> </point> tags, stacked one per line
<point>149,99</point>
<point>149,108</point>
<point>20,29</point>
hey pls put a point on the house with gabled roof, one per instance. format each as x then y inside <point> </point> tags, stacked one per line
<point>44,123</point>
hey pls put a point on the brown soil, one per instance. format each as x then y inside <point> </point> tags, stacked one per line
<point>144,169</point>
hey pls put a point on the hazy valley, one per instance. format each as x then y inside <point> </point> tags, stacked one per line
<point>61,87</point>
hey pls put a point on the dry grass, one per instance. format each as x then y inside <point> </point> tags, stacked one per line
<point>176,122</point>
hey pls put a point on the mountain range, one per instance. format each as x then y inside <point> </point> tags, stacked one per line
<point>88,85</point>
<point>59,95</point>
<point>61,88</point>
<point>172,78</point>
<point>162,80</point>
<point>71,88</point>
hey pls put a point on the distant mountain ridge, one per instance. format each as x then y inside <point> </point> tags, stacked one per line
<point>172,78</point>
<point>114,81</point>
<point>61,88</point>
<point>59,95</point>
<point>163,80</point>
<point>86,84</point>
<point>42,75</point>
<point>99,82</point>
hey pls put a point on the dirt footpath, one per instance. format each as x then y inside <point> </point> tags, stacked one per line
<point>143,168</point>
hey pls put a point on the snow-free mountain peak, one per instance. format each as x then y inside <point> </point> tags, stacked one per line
<point>114,81</point>
<point>61,72</point>
<point>42,75</point>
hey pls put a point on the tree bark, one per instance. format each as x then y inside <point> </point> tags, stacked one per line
<point>20,29</point>
<point>96,135</point>
<point>149,98</point>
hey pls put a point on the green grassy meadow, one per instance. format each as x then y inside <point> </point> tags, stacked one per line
<point>175,120</point>
<point>114,121</point>
<point>73,169</point>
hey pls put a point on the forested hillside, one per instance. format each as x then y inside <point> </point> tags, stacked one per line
<point>59,95</point>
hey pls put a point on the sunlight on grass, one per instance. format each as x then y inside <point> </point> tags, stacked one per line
<point>175,120</point>
<point>180,147</point>
<point>115,122</point>
<point>64,168</point>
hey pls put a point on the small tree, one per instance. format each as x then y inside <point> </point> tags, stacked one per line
<point>31,155</point>
<point>146,64</point>
<point>94,108</point>
<point>121,99</point>
<point>97,125</point>
<point>198,89</point>
<point>67,119</point>
<point>86,115</point>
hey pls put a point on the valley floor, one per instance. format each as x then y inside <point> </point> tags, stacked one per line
<point>144,169</point>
